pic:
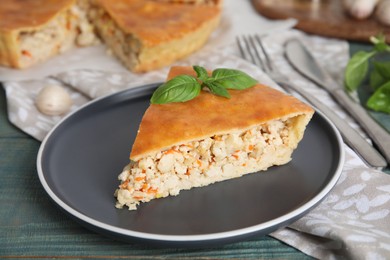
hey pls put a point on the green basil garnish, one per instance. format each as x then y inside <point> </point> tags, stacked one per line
<point>358,68</point>
<point>179,89</point>
<point>184,87</point>
<point>217,89</point>
<point>201,73</point>
<point>380,100</point>
<point>233,79</point>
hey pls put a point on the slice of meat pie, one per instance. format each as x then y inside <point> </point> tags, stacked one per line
<point>146,34</point>
<point>34,30</point>
<point>210,139</point>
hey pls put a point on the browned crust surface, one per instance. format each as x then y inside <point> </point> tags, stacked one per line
<point>29,14</point>
<point>155,22</point>
<point>19,16</point>
<point>170,124</point>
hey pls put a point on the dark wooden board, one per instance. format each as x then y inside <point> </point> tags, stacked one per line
<point>325,18</point>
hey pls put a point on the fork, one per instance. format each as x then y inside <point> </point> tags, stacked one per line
<point>253,50</point>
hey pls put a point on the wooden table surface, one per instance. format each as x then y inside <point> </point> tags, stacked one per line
<point>326,18</point>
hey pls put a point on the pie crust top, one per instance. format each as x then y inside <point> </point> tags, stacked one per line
<point>29,14</point>
<point>154,21</point>
<point>166,125</point>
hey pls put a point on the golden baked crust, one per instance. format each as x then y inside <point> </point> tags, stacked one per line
<point>143,34</point>
<point>32,31</point>
<point>193,2</point>
<point>171,124</point>
<point>21,17</point>
<point>29,14</point>
<point>156,22</point>
<point>147,35</point>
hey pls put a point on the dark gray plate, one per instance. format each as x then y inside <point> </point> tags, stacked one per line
<point>80,159</point>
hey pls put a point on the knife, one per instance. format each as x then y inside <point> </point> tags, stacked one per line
<point>304,62</point>
<point>351,137</point>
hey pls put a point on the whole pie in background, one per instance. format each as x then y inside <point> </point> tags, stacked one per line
<point>143,34</point>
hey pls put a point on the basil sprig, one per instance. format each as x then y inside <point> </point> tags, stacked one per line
<point>184,87</point>
<point>363,63</point>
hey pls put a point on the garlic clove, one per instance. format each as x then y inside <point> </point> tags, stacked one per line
<point>360,9</point>
<point>53,100</point>
<point>383,12</point>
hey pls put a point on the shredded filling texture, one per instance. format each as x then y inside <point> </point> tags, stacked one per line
<point>68,29</point>
<point>200,163</point>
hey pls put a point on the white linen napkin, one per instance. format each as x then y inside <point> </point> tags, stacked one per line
<point>354,219</point>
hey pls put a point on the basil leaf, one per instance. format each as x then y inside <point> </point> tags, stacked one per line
<point>201,73</point>
<point>179,89</point>
<point>357,68</point>
<point>233,79</point>
<point>376,79</point>
<point>381,47</point>
<point>379,42</point>
<point>380,74</point>
<point>217,89</point>
<point>184,87</point>
<point>383,68</point>
<point>380,100</point>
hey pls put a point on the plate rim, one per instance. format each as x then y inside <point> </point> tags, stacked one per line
<point>185,238</point>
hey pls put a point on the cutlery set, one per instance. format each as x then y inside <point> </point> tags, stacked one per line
<point>252,49</point>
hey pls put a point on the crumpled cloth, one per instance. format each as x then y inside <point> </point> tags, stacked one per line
<point>353,221</point>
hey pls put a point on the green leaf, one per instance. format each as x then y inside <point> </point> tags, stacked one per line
<point>380,100</point>
<point>201,73</point>
<point>184,87</point>
<point>217,89</point>
<point>383,68</point>
<point>179,89</point>
<point>376,79</point>
<point>379,42</point>
<point>381,47</point>
<point>380,74</point>
<point>233,79</point>
<point>357,68</point>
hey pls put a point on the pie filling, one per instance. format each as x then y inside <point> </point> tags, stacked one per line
<point>139,54</point>
<point>203,162</point>
<point>68,29</point>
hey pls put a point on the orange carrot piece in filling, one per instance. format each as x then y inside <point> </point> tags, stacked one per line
<point>217,138</point>
<point>145,187</point>
<point>124,185</point>
<point>151,190</point>
<point>187,145</point>
<point>170,151</point>
<point>140,178</point>
<point>26,53</point>
<point>236,155</point>
<point>199,162</point>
